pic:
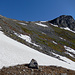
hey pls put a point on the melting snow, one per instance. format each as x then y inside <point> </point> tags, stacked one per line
<point>67,29</point>
<point>54,25</point>
<point>70,54</point>
<point>62,38</point>
<point>43,33</point>
<point>43,25</point>
<point>69,49</point>
<point>26,38</point>
<point>16,33</point>
<point>54,42</point>
<point>43,21</point>
<point>13,53</point>
<point>63,58</point>
<point>22,23</point>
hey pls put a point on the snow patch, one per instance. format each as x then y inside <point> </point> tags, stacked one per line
<point>62,38</point>
<point>22,23</point>
<point>43,21</point>
<point>43,25</point>
<point>43,33</point>
<point>54,25</point>
<point>69,49</point>
<point>70,54</point>
<point>16,33</point>
<point>63,58</point>
<point>26,38</point>
<point>67,29</point>
<point>54,42</point>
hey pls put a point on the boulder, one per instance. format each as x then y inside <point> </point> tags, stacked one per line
<point>33,64</point>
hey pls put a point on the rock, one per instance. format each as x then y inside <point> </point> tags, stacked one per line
<point>64,21</point>
<point>33,64</point>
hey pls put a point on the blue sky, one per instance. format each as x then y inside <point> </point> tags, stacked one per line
<point>36,10</point>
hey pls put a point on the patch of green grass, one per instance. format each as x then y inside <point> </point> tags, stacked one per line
<point>46,40</point>
<point>25,29</point>
<point>58,48</point>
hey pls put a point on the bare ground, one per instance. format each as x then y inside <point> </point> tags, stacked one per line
<point>43,70</point>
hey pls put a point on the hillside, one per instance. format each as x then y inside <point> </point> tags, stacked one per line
<point>44,41</point>
<point>43,70</point>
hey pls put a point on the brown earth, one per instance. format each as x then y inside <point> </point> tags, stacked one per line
<point>43,70</point>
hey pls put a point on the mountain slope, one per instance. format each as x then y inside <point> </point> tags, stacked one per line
<point>13,52</point>
<point>57,43</point>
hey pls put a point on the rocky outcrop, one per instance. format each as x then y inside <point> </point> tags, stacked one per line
<point>64,21</point>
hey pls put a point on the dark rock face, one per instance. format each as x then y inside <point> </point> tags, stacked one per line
<point>64,21</point>
<point>33,64</point>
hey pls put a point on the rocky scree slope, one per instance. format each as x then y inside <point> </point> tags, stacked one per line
<point>43,35</point>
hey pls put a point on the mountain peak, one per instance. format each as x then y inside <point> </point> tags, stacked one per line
<point>66,17</point>
<point>64,21</point>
